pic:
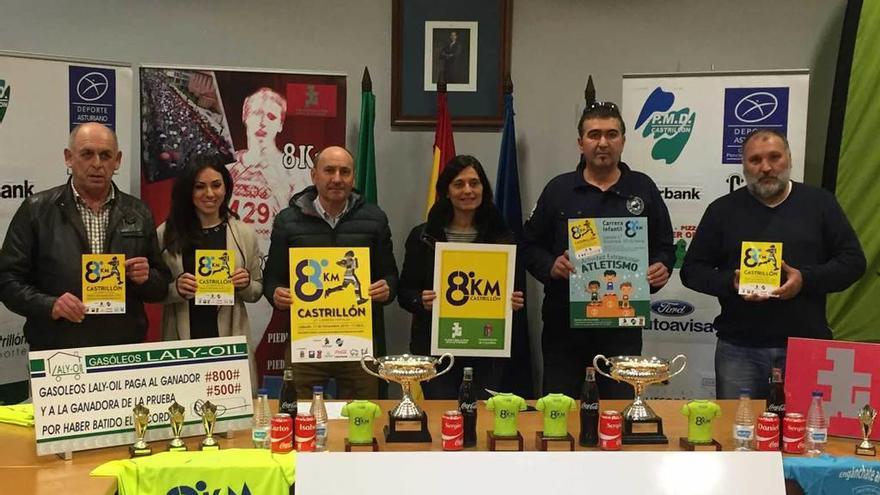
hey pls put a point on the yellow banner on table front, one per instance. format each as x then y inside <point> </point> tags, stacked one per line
<point>331,317</point>
<point>214,268</point>
<point>472,313</point>
<point>103,283</point>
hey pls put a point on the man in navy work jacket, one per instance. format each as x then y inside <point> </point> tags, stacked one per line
<point>601,186</point>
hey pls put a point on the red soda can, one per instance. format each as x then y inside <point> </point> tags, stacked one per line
<point>304,432</point>
<point>767,432</point>
<point>452,430</point>
<point>610,430</point>
<point>281,435</point>
<point>794,430</point>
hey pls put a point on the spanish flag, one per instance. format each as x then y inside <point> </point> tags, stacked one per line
<point>444,146</point>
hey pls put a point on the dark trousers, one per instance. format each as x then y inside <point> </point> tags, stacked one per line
<point>568,351</point>
<point>487,373</point>
<point>738,367</point>
<point>351,381</point>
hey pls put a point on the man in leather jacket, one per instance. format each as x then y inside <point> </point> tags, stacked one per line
<point>40,263</point>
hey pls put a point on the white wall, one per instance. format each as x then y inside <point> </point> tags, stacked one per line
<point>556,44</point>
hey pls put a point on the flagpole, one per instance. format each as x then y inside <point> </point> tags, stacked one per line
<point>365,163</point>
<point>444,144</point>
<point>366,81</point>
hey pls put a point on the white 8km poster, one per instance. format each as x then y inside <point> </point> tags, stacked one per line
<point>686,131</point>
<point>41,99</point>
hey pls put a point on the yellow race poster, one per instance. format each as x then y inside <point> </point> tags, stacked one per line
<point>214,268</point>
<point>103,283</point>
<point>760,268</point>
<point>472,313</point>
<point>331,317</point>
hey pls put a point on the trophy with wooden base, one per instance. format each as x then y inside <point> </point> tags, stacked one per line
<point>141,417</point>
<point>209,420</point>
<point>641,425</point>
<point>867,415</point>
<point>556,408</point>
<point>360,414</point>
<point>545,443</point>
<point>406,421</point>
<point>176,414</point>
<point>701,414</point>
<point>505,433</point>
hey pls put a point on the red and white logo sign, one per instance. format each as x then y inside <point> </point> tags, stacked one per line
<point>845,372</point>
<point>311,100</point>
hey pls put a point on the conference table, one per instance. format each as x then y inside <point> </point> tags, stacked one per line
<point>23,472</point>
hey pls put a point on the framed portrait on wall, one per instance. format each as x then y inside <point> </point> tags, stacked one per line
<point>451,51</point>
<point>466,43</point>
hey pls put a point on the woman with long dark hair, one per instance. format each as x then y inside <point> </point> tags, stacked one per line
<point>463,212</point>
<point>200,218</point>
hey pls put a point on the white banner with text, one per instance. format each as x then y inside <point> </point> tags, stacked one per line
<point>686,133</point>
<point>83,398</point>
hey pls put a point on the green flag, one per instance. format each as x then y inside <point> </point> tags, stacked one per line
<point>851,164</point>
<point>365,168</point>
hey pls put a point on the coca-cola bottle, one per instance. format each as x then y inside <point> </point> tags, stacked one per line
<point>776,397</point>
<point>287,397</point>
<point>589,436</point>
<point>467,404</point>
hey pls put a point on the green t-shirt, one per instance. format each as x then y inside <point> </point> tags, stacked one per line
<point>360,414</point>
<point>556,408</point>
<point>506,407</point>
<point>700,414</point>
<point>210,471</point>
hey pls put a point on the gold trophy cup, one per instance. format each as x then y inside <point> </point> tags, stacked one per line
<point>141,417</point>
<point>641,425</point>
<point>866,419</point>
<point>406,421</point>
<point>209,420</point>
<point>176,415</point>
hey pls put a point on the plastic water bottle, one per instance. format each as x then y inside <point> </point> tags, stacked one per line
<point>817,427</point>
<point>262,417</point>
<point>319,411</point>
<point>744,424</point>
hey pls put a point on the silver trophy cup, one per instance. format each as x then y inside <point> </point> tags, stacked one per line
<point>406,421</point>
<point>640,372</point>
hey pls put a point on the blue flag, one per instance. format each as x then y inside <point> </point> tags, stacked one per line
<point>507,184</point>
<point>516,375</point>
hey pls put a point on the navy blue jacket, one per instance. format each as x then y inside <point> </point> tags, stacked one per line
<point>566,196</point>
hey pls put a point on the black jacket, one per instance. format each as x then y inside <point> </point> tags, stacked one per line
<point>363,225</point>
<point>545,233</point>
<point>41,260</point>
<point>418,275</point>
